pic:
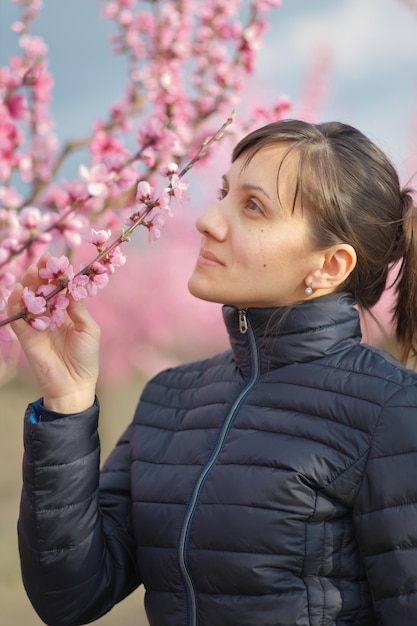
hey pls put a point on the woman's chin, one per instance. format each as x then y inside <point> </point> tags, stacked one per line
<point>198,289</point>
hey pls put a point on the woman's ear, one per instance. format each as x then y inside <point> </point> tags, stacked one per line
<point>337,263</point>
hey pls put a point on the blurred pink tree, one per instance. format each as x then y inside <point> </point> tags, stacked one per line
<point>188,64</point>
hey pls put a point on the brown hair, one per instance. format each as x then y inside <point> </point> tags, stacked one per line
<point>351,193</point>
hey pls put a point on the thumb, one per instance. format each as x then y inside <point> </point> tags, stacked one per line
<point>14,302</point>
<point>29,279</point>
<point>15,309</point>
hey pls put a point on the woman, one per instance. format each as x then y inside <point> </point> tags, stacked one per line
<point>274,484</point>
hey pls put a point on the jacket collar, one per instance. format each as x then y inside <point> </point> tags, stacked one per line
<point>301,333</point>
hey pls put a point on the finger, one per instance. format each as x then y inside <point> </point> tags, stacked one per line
<point>81,317</point>
<point>30,278</point>
<point>14,302</point>
<point>43,259</point>
<point>15,306</point>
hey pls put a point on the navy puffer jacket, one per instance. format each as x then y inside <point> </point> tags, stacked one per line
<point>272,485</point>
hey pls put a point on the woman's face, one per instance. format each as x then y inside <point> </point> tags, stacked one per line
<point>255,252</point>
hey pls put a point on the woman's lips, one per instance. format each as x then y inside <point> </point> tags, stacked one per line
<point>208,258</point>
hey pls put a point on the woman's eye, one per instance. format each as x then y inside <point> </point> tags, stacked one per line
<point>253,206</point>
<point>221,193</point>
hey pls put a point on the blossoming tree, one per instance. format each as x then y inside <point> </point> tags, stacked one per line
<point>186,66</point>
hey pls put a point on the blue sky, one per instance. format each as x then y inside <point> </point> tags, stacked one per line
<point>372,75</point>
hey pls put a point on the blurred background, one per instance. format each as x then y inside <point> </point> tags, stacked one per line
<point>351,60</point>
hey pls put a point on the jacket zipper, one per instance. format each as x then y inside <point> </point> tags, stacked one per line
<point>244,327</point>
<point>243,321</point>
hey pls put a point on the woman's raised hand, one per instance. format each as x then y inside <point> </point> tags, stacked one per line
<point>65,361</point>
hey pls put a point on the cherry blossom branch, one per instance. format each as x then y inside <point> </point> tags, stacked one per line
<point>186,65</point>
<point>59,273</point>
<point>77,144</point>
<point>206,144</point>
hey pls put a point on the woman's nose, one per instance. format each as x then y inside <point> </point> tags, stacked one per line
<point>213,222</point>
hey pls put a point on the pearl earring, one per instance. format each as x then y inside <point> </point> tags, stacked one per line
<point>309,290</point>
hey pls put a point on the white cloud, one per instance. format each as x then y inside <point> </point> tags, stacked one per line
<point>373,63</point>
<point>364,35</point>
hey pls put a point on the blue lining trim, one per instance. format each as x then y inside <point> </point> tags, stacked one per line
<point>34,416</point>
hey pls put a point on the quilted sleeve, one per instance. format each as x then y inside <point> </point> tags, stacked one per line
<point>385,512</point>
<point>76,548</point>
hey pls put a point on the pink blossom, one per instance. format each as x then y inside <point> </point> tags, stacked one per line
<point>144,196</point>
<point>179,188</point>
<point>32,219</point>
<point>43,150</point>
<point>120,115</point>
<point>70,227</point>
<point>10,138</point>
<point>10,198</point>
<point>33,46</point>
<point>77,287</point>
<point>155,133</point>
<point>45,290</point>
<point>41,322</point>
<point>10,221</point>
<point>148,156</point>
<point>8,79</point>
<point>42,84</point>
<point>99,237</point>
<point>125,18</point>
<point>55,198</point>
<point>114,258</point>
<point>12,245</point>
<point>144,192</point>
<point>104,143</point>
<point>97,178</point>
<point>18,27</point>
<point>25,165</point>
<point>125,174</point>
<point>155,225</point>
<point>16,105</point>
<point>57,307</point>
<point>169,170</point>
<point>164,201</point>
<point>56,268</point>
<point>76,190</point>
<point>110,10</point>
<point>97,278</point>
<point>34,303</point>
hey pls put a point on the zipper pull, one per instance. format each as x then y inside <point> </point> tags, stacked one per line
<point>243,321</point>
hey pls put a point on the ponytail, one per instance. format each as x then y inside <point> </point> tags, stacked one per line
<point>405,310</point>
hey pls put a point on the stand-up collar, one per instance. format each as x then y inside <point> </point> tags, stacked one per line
<point>296,334</point>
